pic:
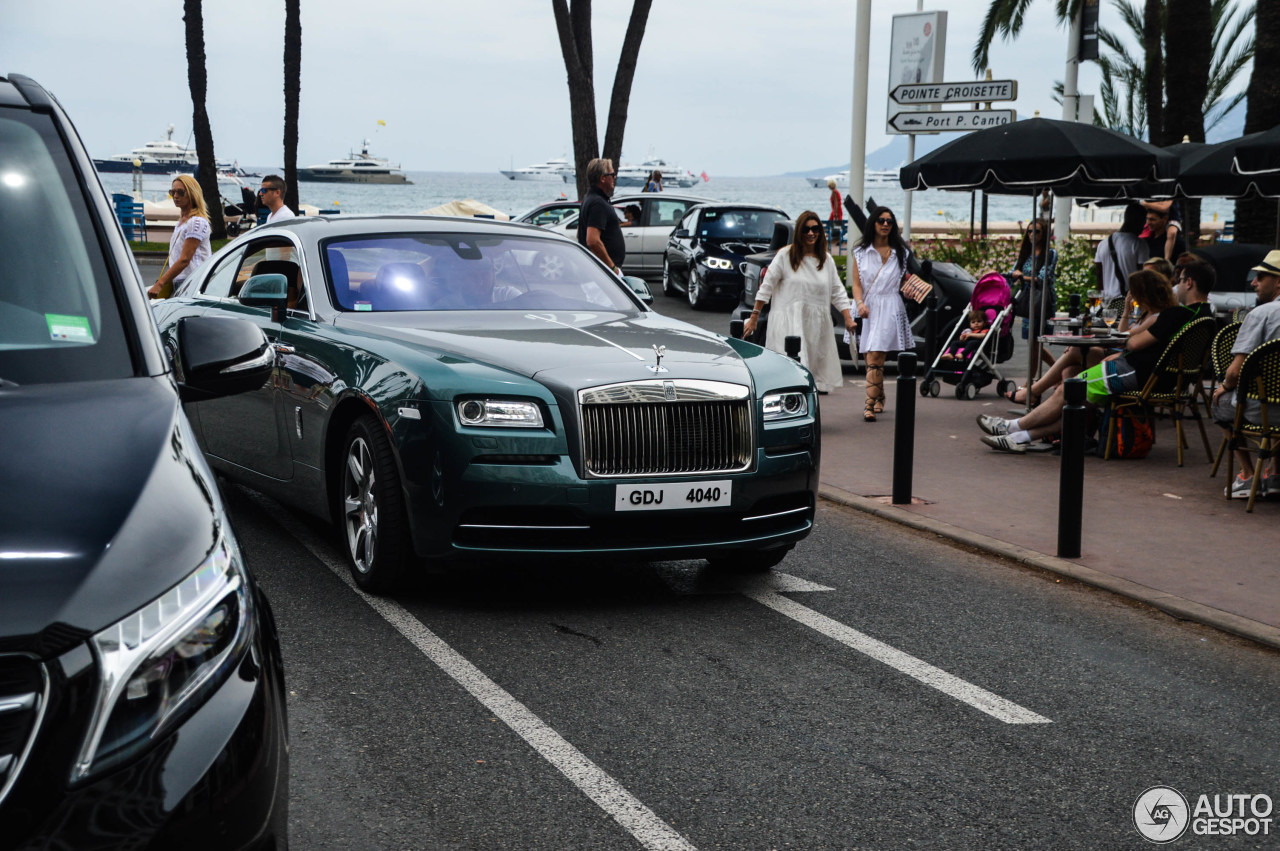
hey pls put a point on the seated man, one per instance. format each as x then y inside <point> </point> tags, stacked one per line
<point>1260,326</point>
<point>1127,370</point>
<point>459,283</point>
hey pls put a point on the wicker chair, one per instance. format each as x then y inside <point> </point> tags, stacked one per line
<point>1171,382</point>
<point>1220,358</point>
<point>1259,382</point>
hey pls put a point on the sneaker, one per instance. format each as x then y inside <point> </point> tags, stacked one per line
<point>1270,486</point>
<point>1002,443</point>
<point>1240,488</point>
<point>993,425</point>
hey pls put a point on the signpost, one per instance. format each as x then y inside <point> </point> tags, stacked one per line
<point>934,122</point>
<point>977,91</point>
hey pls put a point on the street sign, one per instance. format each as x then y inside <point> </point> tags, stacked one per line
<point>934,122</point>
<point>971,92</point>
<point>917,55</point>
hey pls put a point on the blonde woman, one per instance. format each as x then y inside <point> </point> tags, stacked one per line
<point>189,245</point>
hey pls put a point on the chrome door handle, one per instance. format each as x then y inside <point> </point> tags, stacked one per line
<point>282,349</point>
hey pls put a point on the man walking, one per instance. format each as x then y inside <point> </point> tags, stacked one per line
<point>272,195</point>
<point>598,226</point>
<point>1260,326</point>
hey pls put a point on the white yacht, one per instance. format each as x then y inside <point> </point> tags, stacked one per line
<point>673,176</point>
<point>555,171</point>
<point>871,175</point>
<point>363,167</point>
<point>160,157</point>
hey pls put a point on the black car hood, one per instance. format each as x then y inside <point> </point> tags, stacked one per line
<point>576,346</point>
<point>107,503</point>
<point>735,249</point>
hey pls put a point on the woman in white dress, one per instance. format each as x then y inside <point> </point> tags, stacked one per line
<point>876,273</point>
<point>803,284</point>
<point>189,243</point>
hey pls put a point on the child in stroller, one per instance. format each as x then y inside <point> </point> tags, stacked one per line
<point>969,357</point>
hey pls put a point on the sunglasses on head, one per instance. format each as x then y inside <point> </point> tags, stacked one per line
<point>812,229</point>
<point>884,221</point>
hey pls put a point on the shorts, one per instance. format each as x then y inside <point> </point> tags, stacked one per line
<point>1107,379</point>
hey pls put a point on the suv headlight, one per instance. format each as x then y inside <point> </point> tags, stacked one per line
<point>717,263</point>
<point>166,656</point>
<point>503,413</point>
<point>784,406</point>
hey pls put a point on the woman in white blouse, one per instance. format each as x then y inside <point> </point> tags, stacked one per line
<point>876,273</point>
<point>803,285</point>
<point>189,244</point>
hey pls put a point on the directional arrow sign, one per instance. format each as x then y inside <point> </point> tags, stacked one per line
<point>934,122</point>
<point>972,92</point>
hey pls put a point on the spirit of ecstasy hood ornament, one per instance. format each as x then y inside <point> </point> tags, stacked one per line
<point>660,352</point>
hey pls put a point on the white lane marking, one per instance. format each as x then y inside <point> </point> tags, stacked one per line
<point>634,817</point>
<point>782,583</point>
<point>966,692</point>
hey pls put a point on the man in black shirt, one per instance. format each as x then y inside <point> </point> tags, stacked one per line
<point>598,226</point>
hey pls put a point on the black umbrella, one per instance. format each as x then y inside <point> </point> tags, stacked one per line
<point>1039,153</point>
<point>1261,154</point>
<point>1207,172</point>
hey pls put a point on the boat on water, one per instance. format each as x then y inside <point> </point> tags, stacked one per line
<point>554,171</point>
<point>871,175</point>
<point>673,176</point>
<point>163,156</point>
<point>363,167</point>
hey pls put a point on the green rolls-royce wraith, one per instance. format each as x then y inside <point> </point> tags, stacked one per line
<point>450,388</point>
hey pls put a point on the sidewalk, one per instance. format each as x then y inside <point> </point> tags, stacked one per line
<point>1153,532</point>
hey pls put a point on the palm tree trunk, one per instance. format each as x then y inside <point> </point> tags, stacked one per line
<point>1188,53</point>
<point>1256,217</point>
<point>622,79</point>
<point>574,29</point>
<point>1153,83</point>
<point>292,96</point>
<point>197,79</point>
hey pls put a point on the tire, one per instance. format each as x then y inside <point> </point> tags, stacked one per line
<point>924,387</point>
<point>693,290</point>
<point>960,389</point>
<point>1005,387</point>
<point>667,288</point>
<point>371,509</point>
<point>935,388</point>
<point>749,561</point>
<point>970,391</point>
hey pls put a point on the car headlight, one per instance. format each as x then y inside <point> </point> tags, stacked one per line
<point>503,413</point>
<point>160,660</point>
<point>717,263</point>
<point>784,406</point>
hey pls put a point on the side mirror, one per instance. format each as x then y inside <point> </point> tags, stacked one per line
<point>639,287</point>
<point>681,233</point>
<point>265,291</point>
<point>221,356</point>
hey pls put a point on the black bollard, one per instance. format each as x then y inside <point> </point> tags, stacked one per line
<point>904,427</point>
<point>1071,478</point>
<point>931,328</point>
<point>791,344</point>
<point>736,327</point>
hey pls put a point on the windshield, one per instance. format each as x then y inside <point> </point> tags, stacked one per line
<point>462,272</point>
<point>745,224</point>
<point>59,320</point>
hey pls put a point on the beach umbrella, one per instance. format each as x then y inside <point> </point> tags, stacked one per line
<point>1208,173</point>
<point>1261,154</point>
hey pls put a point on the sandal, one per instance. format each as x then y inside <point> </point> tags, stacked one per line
<point>875,390</point>
<point>869,412</point>
<point>1012,396</point>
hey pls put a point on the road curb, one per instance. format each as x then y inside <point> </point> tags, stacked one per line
<point>1179,607</point>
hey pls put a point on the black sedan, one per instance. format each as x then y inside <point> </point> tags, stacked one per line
<point>141,689</point>
<point>706,252</point>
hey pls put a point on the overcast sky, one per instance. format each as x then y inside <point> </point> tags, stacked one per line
<point>732,87</point>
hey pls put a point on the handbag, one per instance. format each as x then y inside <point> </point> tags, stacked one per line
<point>916,288</point>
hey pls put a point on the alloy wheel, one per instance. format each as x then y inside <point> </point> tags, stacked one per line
<point>360,505</point>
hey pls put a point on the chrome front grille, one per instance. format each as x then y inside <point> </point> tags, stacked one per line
<point>24,691</point>
<point>666,427</point>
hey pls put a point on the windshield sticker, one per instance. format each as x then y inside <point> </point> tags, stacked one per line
<point>70,329</point>
<point>364,305</point>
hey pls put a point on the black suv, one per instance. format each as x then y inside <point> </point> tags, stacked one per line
<point>141,687</point>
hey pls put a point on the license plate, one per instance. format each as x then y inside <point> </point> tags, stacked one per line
<point>673,496</point>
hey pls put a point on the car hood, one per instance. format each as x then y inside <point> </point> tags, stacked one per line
<point>578,348</point>
<point>736,249</point>
<point>107,502</point>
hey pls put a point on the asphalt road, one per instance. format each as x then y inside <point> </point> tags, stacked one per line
<point>901,693</point>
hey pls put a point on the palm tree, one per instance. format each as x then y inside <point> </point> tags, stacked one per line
<point>292,96</point>
<point>1005,17</point>
<point>197,79</point>
<point>1256,218</point>
<point>573,24</point>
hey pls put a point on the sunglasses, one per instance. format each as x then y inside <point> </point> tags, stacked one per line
<point>883,221</point>
<point>812,229</point>
<point>177,193</point>
<point>264,190</point>
<point>610,174</point>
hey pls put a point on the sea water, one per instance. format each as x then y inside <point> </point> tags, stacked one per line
<point>793,194</point>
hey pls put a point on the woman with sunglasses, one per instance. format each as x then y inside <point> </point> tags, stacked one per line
<point>803,285</point>
<point>189,244</point>
<point>876,273</point>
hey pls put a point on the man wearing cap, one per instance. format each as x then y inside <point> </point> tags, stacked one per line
<point>1260,326</point>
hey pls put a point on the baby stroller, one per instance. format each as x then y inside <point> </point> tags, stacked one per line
<point>993,297</point>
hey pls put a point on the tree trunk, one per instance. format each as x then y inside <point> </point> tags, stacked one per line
<point>1154,78</point>
<point>574,29</point>
<point>626,72</point>
<point>292,97</point>
<point>207,171</point>
<point>1188,53</point>
<point>1256,217</point>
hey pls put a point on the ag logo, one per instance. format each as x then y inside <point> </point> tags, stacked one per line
<point>1161,814</point>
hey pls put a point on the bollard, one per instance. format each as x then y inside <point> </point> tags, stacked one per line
<point>904,427</point>
<point>736,327</point>
<point>1071,477</point>
<point>931,328</point>
<point>792,346</point>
